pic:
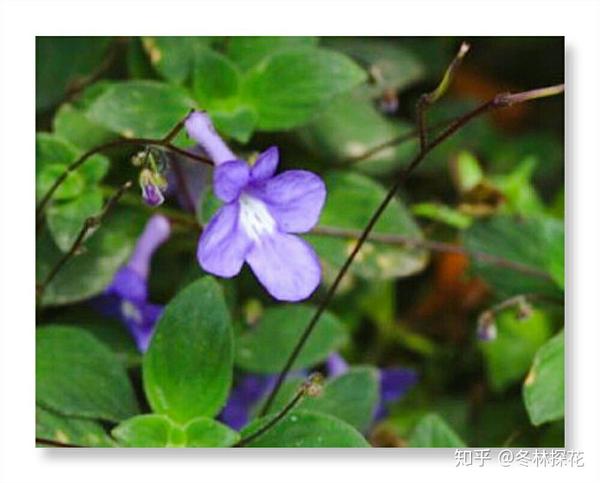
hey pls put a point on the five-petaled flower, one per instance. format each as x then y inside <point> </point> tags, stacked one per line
<point>126,298</point>
<point>261,214</point>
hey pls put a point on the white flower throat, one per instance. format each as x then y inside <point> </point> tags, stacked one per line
<point>255,217</point>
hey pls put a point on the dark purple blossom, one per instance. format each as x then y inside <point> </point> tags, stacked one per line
<point>126,298</point>
<point>261,214</point>
<point>246,393</point>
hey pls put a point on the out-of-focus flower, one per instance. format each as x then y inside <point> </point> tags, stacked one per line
<point>394,382</point>
<point>486,327</point>
<point>261,214</point>
<point>126,298</point>
<point>246,393</point>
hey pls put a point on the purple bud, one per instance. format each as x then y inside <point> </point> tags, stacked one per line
<point>152,186</point>
<point>486,327</point>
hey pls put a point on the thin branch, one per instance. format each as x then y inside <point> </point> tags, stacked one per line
<point>499,101</point>
<point>57,444</point>
<point>429,98</point>
<point>395,141</point>
<point>272,422</point>
<point>311,387</point>
<point>75,165</point>
<point>89,224</point>
<point>433,245</point>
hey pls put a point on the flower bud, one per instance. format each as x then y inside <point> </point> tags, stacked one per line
<point>153,185</point>
<point>486,327</point>
<point>314,386</point>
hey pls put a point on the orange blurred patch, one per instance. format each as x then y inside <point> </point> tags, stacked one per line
<point>468,83</point>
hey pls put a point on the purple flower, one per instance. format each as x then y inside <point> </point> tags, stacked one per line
<point>261,214</point>
<point>394,382</point>
<point>152,186</point>
<point>247,392</point>
<point>126,298</point>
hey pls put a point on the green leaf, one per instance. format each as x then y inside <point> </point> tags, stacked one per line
<point>391,66</point>
<point>188,367</point>
<point>304,429</point>
<point>53,155</point>
<point>467,171</point>
<point>239,123</point>
<point>249,51</point>
<point>281,327</point>
<point>71,124</point>
<point>158,431</point>
<point>433,432</point>
<point>66,219</point>
<point>349,128</point>
<point>215,78</point>
<point>536,242</point>
<point>109,331</point>
<point>216,85</point>
<point>289,87</point>
<point>82,432</point>
<point>509,356</point>
<point>88,273</point>
<point>62,63</point>
<point>544,387</point>
<point>443,214</point>
<point>351,397</point>
<point>173,57</point>
<point>140,108</point>
<point>351,201</point>
<point>77,375</point>
<point>146,431</point>
<point>208,433</point>
<point>519,191</point>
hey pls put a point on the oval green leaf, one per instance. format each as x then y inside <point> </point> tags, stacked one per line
<point>289,87</point>
<point>77,375</point>
<point>305,429</point>
<point>140,108</point>
<point>544,387</point>
<point>352,199</point>
<point>188,368</point>
<point>433,432</point>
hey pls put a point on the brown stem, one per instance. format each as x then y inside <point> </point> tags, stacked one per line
<point>272,422</point>
<point>495,103</point>
<point>89,224</point>
<point>164,143</point>
<point>429,98</point>
<point>433,245</point>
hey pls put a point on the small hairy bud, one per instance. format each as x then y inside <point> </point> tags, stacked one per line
<point>314,386</point>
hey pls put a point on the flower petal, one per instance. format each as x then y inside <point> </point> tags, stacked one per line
<point>286,265</point>
<point>230,178</point>
<point>156,232</point>
<point>395,382</point>
<point>266,165</point>
<point>128,284</point>
<point>200,128</point>
<point>336,365</point>
<point>223,245</point>
<point>295,199</point>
